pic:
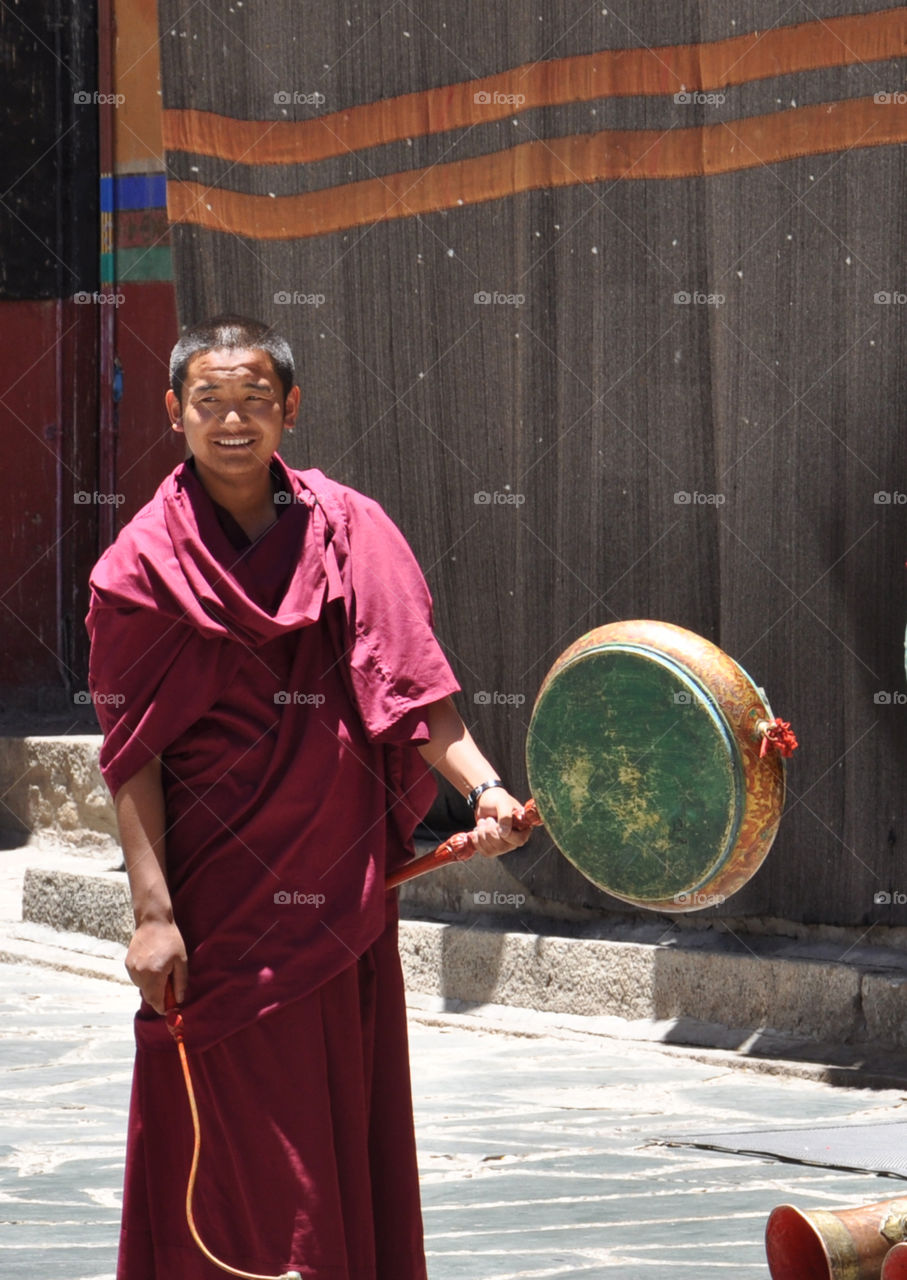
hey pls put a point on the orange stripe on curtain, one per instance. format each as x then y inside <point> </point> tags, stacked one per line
<point>711,66</point>
<point>557,162</point>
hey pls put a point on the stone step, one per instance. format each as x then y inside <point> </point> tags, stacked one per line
<point>68,952</point>
<point>757,990</point>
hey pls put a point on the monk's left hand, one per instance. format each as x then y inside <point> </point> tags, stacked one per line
<point>494,813</point>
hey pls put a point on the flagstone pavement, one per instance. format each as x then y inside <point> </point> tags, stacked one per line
<point>541,1152</point>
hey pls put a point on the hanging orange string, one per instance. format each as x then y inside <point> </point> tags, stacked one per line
<point>175,1026</point>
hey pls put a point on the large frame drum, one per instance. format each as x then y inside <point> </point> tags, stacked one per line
<point>647,762</point>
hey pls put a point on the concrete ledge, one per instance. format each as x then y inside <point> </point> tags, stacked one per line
<point>79,901</point>
<point>815,1000</point>
<point>692,984</point>
<point>67,952</point>
<point>884,1000</point>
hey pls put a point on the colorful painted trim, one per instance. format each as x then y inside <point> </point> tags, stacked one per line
<point>133,191</point>
<point>135,232</point>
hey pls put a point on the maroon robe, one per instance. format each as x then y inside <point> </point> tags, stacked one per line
<point>283,685</point>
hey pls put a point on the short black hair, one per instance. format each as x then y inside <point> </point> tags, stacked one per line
<point>232,333</point>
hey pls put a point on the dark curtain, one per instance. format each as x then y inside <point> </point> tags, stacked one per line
<point>631,344</point>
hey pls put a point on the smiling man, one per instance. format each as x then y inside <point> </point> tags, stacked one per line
<point>281,695</point>
<point>233,405</point>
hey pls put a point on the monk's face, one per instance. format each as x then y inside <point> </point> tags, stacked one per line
<point>233,414</point>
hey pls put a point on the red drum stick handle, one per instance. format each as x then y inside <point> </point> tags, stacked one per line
<point>459,848</point>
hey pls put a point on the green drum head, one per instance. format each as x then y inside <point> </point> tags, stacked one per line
<point>636,773</point>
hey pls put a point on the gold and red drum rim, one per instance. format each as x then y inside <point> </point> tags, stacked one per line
<point>644,761</point>
<point>836,1244</point>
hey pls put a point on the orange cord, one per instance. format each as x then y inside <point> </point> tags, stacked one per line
<point>175,1024</point>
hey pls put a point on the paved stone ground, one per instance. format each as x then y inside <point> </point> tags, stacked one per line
<point>539,1152</point>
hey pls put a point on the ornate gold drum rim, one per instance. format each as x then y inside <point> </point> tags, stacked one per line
<point>743,708</point>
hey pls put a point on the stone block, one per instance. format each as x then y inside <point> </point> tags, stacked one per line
<point>74,902</point>
<point>53,787</point>
<point>599,978</point>
<point>885,1008</point>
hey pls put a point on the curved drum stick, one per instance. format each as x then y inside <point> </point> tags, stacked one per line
<point>459,848</point>
<point>175,1026</point>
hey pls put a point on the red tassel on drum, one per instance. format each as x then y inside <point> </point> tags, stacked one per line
<point>780,735</point>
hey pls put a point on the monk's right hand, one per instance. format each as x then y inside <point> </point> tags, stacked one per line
<point>157,952</point>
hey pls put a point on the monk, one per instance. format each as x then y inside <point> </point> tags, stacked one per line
<point>272,697</point>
